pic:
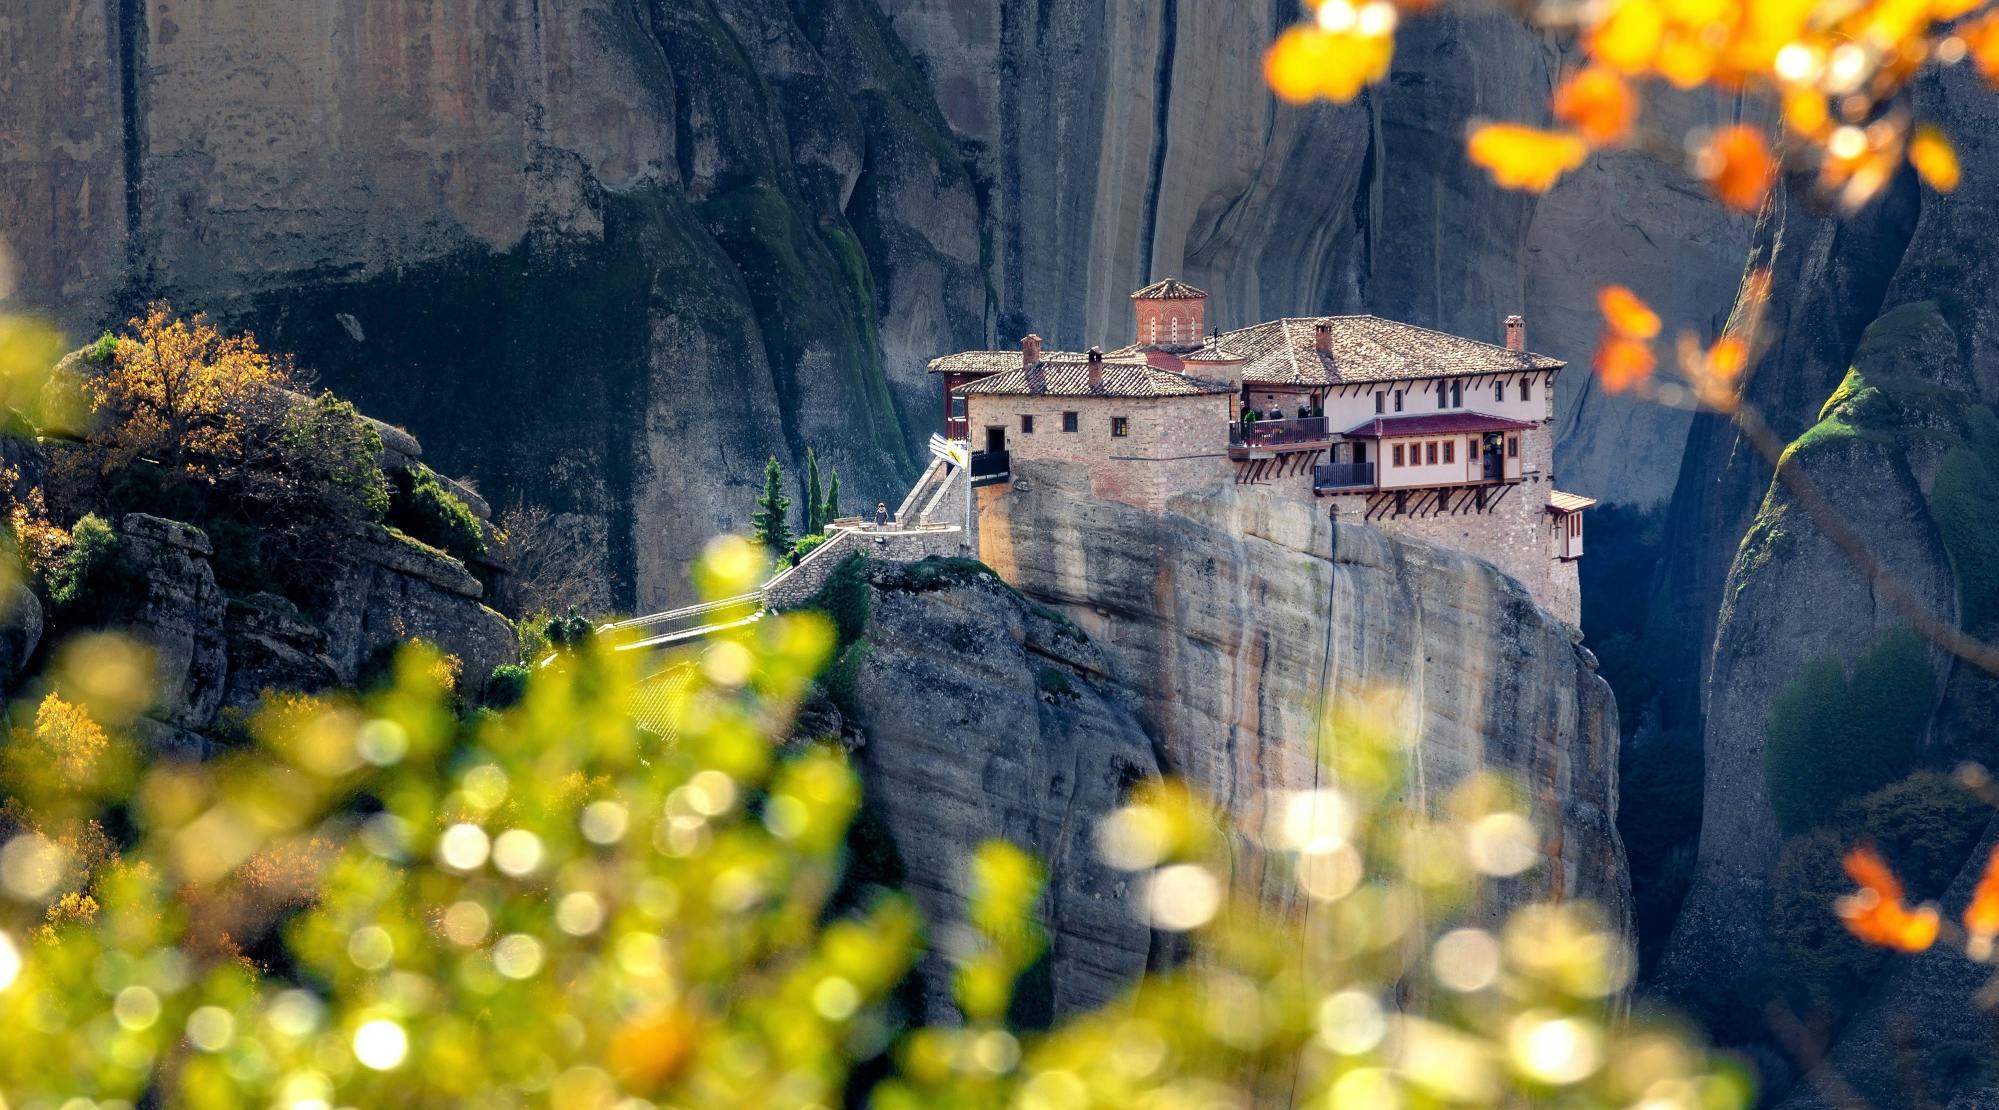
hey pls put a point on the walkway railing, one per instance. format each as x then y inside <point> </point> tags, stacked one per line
<point>1328,476</point>
<point>1300,429</point>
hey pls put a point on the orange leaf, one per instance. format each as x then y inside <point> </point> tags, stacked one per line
<point>1981,41</point>
<point>1737,165</point>
<point>1865,866</point>
<point>1934,158</point>
<point>1628,316</point>
<point>1598,104</point>
<point>1525,157</point>
<point>1981,917</point>
<point>1623,363</point>
<point>1889,924</point>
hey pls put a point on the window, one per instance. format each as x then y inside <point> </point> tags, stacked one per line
<point>1026,424</point>
<point>1499,392</point>
<point>1527,389</point>
<point>1430,452</point>
<point>1398,454</point>
<point>1154,336</point>
<point>958,407</point>
<point>1443,397</point>
<point>1450,450</point>
<point>1398,400</point>
<point>1068,421</point>
<point>1120,426</point>
<point>1471,449</point>
<point>1381,402</point>
<point>1512,447</point>
<point>1457,395</point>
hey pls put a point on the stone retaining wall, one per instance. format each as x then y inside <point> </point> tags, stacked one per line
<point>798,585</point>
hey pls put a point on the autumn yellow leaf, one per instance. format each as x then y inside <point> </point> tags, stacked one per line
<point>1623,362</point>
<point>1627,39</point>
<point>1736,164</point>
<point>1934,158</point>
<point>1309,63</point>
<point>1525,157</point>
<point>1598,104</point>
<point>1627,315</point>
<point>1805,113</point>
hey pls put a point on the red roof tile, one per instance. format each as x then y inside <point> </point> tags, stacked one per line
<point>1435,424</point>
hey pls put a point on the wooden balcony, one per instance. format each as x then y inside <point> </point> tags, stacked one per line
<point>1262,438</point>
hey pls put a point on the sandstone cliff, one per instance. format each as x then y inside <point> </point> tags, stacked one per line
<point>984,719</point>
<point>606,256</point>
<point>1239,616</point>
<point>1206,646</point>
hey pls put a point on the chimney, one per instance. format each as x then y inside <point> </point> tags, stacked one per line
<point>1322,337</point>
<point>1516,333</point>
<point>1030,350</point>
<point>1096,369</point>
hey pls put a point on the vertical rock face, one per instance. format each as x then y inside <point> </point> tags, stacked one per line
<point>985,720</point>
<point>1882,380</point>
<point>1237,618</point>
<point>607,256</point>
<point>178,614</point>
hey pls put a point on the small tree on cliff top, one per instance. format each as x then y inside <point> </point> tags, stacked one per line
<point>815,499</point>
<point>830,511</point>
<point>180,389</point>
<point>768,521</point>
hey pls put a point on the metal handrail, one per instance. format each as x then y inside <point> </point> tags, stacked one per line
<point>1342,475</point>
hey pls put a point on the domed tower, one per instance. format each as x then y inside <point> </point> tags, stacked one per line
<point>1170,313</point>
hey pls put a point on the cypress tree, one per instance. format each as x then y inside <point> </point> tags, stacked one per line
<point>831,510</point>
<point>815,501</point>
<point>772,529</point>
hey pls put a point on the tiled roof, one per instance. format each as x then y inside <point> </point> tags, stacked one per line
<point>1366,349</point>
<point>1071,378</point>
<point>1172,289</point>
<point>989,362</point>
<point>1435,424</point>
<point>1560,502</point>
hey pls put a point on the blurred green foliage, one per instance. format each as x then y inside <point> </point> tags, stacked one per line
<point>1830,738</point>
<point>420,505</point>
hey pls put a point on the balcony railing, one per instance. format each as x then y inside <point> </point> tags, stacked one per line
<point>1271,433</point>
<point>1334,476</point>
<point>991,467</point>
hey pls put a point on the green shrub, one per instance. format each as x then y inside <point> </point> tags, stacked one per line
<point>506,685</point>
<point>101,351</point>
<point>806,545</point>
<point>422,507</point>
<point>935,572</point>
<point>1926,825</point>
<point>1055,682</point>
<point>1830,738</point>
<point>567,631</point>
<point>1959,498</point>
<point>841,681</point>
<point>94,583</point>
<point>847,599</point>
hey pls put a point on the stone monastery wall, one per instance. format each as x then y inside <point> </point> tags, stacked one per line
<point>1172,445</point>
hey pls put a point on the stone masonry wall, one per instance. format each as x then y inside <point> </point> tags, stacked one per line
<point>799,584</point>
<point>1175,444</point>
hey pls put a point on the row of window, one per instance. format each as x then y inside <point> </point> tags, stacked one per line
<point>1120,426</point>
<point>1454,396</point>
<point>1438,452</point>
